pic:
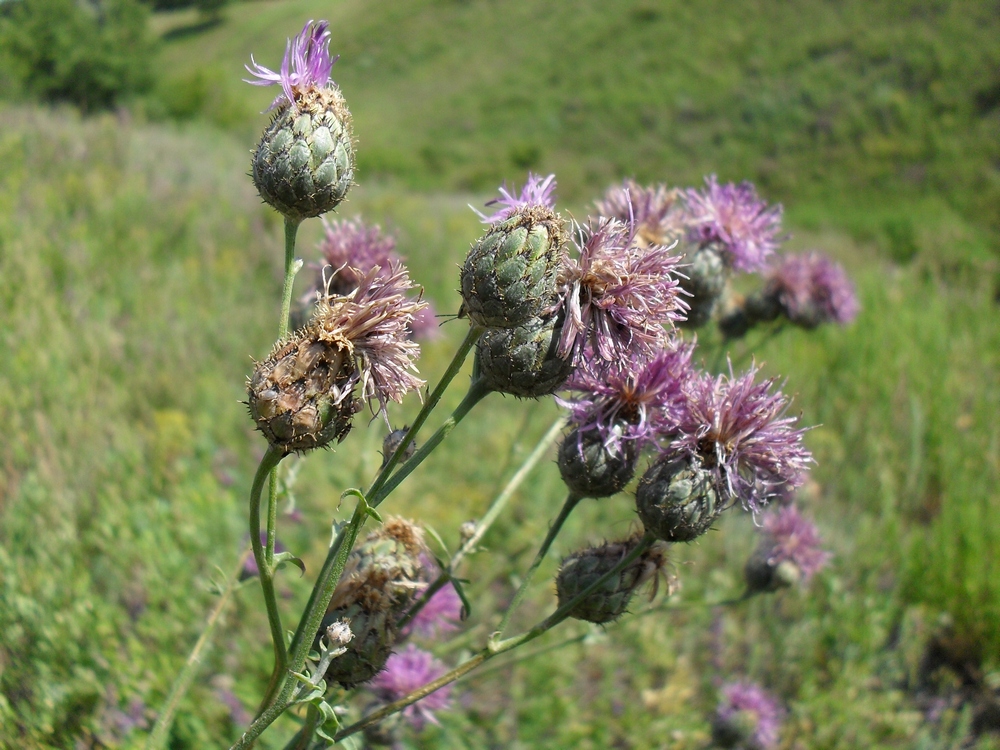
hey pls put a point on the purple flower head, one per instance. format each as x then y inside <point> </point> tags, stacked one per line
<point>537,191</point>
<point>745,706</point>
<point>352,249</point>
<point>372,324</point>
<point>792,537</point>
<point>307,64</point>
<point>812,289</point>
<point>635,400</point>
<point>653,210</point>
<point>405,672</point>
<point>439,616</point>
<point>618,296</point>
<point>735,428</point>
<point>733,216</point>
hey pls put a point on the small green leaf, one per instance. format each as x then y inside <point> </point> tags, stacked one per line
<point>288,557</point>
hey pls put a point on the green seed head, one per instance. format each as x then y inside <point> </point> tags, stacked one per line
<point>610,600</point>
<point>677,500</point>
<point>522,361</point>
<point>589,469</point>
<point>706,281</point>
<point>509,276</point>
<point>304,163</point>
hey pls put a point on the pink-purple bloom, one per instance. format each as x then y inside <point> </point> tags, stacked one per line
<point>307,64</point>
<point>537,191</point>
<point>812,289</point>
<point>653,210</point>
<point>634,400</point>
<point>372,323</point>
<point>734,217</point>
<point>406,671</point>
<point>748,709</point>
<point>439,616</point>
<point>352,249</point>
<point>735,427</point>
<point>618,297</point>
<point>792,537</point>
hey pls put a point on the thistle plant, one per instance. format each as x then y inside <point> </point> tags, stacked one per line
<point>599,312</point>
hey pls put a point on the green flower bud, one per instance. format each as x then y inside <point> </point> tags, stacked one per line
<point>304,163</point>
<point>590,469</point>
<point>523,361</point>
<point>509,276</point>
<point>610,600</point>
<point>706,280</point>
<point>677,500</point>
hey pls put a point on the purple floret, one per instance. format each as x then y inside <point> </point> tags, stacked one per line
<point>440,615</point>
<point>618,297</point>
<point>762,708</point>
<point>734,217</point>
<point>812,289</point>
<point>653,210</point>
<point>794,538</point>
<point>352,249</point>
<point>735,427</point>
<point>537,191</point>
<point>307,64</point>
<point>637,400</point>
<point>405,672</point>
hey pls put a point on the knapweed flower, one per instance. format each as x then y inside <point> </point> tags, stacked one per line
<point>734,428</point>
<point>618,297</point>
<point>634,400</point>
<point>789,551</point>
<point>811,289</point>
<point>352,249</point>
<point>304,163</point>
<point>439,616</point>
<point>537,191</point>
<point>425,325</point>
<point>748,717</point>
<point>406,671</point>
<point>734,217</point>
<point>354,348</point>
<point>307,65</point>
<point>509,275</point>
<point>654,210</point>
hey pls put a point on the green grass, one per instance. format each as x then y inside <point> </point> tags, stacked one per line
<point>139,273</point>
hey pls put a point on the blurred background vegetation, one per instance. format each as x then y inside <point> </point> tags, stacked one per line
<point>139,273</point>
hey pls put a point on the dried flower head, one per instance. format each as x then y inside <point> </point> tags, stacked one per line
<point>811,289</point>
<point>654,211</point>
<point>735,428</point>
<point>352,249</point>
<point>307,64</point>
<point>537,191</point>
<point>406,671</point>
<point>632,400</point>
<point>748,717</point>
<point>618,297</point>
<point>736,218</point>
<point>425,325</point>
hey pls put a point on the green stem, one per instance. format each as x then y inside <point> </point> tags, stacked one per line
<point>572,500</point>
<point>494,648</point>
<point>304,736</point>
<point>158,737</point>
<point>291,268</point>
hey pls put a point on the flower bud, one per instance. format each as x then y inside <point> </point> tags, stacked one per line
<point>392,442</point>
<point>591,469</point>
<point>523,361</point>
<point>609,600</point>
<point>380,581</point>
<point>304,163</point>
<point>509,276</point>
<point>705,282</point>
<point>297,395</point>
<point>677,500</point>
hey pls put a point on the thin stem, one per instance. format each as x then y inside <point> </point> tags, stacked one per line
<point>265,569</point>
<point>291,268</point>
<point>157,738</point>
<point>494,648</point>
<point>572,500</point>
<point>304,736</point>
<point>432,401</point>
